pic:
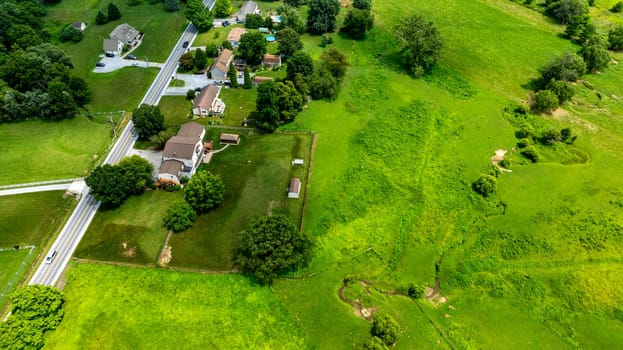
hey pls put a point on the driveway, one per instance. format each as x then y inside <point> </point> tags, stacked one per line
<point>115,63</point>
<point>153,157</point>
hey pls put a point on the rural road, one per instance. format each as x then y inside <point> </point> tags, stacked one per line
<point>42,188</point>
<point>73,231</point>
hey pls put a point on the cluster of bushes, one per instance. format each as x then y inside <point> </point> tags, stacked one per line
<point>35,309</point>
<point>204,192</point>
<point>384,331</point>
<point>527,139</point>
<point>112,14</point>
<point>36,80</point>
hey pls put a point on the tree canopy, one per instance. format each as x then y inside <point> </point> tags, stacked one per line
<point>485,185</point>
<point>222,8</point>
<point>267,106</point>
<point>204,191</point>
<point>362,4</point>
<point>568,67</point>
<point>252,47</point>
<point>172,5</point>
<point>289,42</point>
<point>300,63</point>
<point>291,18</point>
<point>357,23</point>
<point>148,121</point>
<point>335,62</point>
<point>566,11</point>
<point>179,216</point>
<point>113,12</point>
<point>321,16</point>
<point>137,173</point>
<point>199,15</point>
<point>112,184</point>
<point>615,38</point>
<point>270,246</point>
<point>420,43</point>
<point>253,21</point>
<point>385,328</point>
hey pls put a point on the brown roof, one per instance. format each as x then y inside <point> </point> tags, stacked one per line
<point>206,97</point>
<point>191,129</point>
<point>295,185</point>
<point>230,137</point>
<point>171,166</point>
<point>235,34</point>
<point>271,59</point>
<point>223,60</point>
<point>180,147</point>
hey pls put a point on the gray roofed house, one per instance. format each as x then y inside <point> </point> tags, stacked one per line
<point>207,102</point>
<point>247,8</point>
<point>126,34</point>
<point>171,171</point>
<point>221,64</point>
<point>113,46</point>
<point>192,129</point>
<point>186,149</point>
<point>180,147</point>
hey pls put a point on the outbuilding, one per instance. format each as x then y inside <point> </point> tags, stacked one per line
<point>230,139</point>
<point>294,190</point>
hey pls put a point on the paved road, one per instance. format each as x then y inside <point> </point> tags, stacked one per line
<point>76,226</point>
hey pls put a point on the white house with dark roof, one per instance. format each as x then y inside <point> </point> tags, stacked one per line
<point>113,46</point>
<point>182,153</point>
<point>125,33</point>
<point>220,68</point>
<point>207,102</point>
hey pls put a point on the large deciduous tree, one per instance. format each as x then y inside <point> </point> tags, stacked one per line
<point>137,173</point>
<point>335,61</point>
<point>107,184</point>
<point>201,59</point>
<point>180,216</point>
<point>321,16</point>
<point>420,43</point>
<point>222,8</point>
<point>362,4</point>
<point>567,11</point>
<point>270,246</point>
<point>148,121</point>
<point>267,106</point>
<point>113,12</point>
<point>290,100</point>
<point>252,47</point>
<point>289,42</point>
<point>204,191</point>
<point>300,63</point>
<point>199,15</point>
<point>290,17</point>
<point>568,67</point>
<point>615,38</point>
<point>357,23</point>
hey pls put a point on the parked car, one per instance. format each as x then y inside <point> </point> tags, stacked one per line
<point>109,54</point>
<point>131,57</point>
<point>198,89</point>
<point>100,64</point>
<point>50,257</point>
<point>218,82</point>
<point>225,23</point>
<point>185,44</point>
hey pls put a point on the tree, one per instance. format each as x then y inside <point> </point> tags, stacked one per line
<point>321,16</point>
<point>596,55</point>
<point>61,104</point>
<point>615,38</point>
<point>232,74</point>
<point>568,67</point>
<point>550,136</point>
<point>70,33</point>
<point>187,62</point>
<point>248,83</point>
<point>113,12</point>
<point>197,13</point>
<point>335,62</point>
<point>79,90</point>
<point>101,18</point>
<point>566,10</point>
<point>300,63</point>
<point>618,7</point>
<point>267,106</point>
<point>374,343</point>
<point>362,4</point>
<point>420,43</point>
<point>545,101</point>
<point>290,100</point>
<point>253,21</point>
<point>485,185</point>
<point>322,84</point>
<point>295,3</point>
<point>172,5</point>
<point>201,59</point>
<point>137,173</point>
<point>222,8</point>
<point>107,185</point>
<point>148,121</point>
<point>530,153</point>
<point>252,47</point>
<point>386,328</point>
<point>270,246</point>
<point>357,23</point>
<point>289,42</point>
<point>190,94</point>
<point>204,191</point>
<point>179,217</point>
<point>290,17</point>
<point>562,90</point>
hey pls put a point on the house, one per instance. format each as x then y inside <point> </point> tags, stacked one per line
<point>294,190</point>
<point>221,65</point>
<point>113,46</point>
<point>170,172</point>
<point>234,36</point>
<point>207,102</point>
<point>271,60</point>
<point>258,80</point>
<point>182,153</point>
<point>247,8</point>
<point>126,34</point>
<point>81,26</point>
<point>230,139</point>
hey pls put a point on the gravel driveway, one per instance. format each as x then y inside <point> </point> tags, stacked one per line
<point>115,63</point>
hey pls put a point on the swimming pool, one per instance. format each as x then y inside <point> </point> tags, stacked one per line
<point>270,38</point>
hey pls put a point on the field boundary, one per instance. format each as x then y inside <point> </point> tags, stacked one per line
<point>154,266</point>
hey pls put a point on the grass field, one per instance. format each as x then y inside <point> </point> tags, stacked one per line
<point>41,150</point>
<point>256,174</point>
<point>176,110</point>
<point>239,102</point>
<point>134,232</point>
<point>124,308</point>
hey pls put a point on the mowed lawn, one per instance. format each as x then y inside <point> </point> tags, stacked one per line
<point>122,89</point>
<point>43,150</point>
<point>111,307</point>
<point>256,174</point>
<point>132,233</point>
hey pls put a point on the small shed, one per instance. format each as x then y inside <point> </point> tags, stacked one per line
<point>230,139</point>
<point>81,26</point>
<point>294,190</point>
<point>297,161</point>
<point>264,30</point>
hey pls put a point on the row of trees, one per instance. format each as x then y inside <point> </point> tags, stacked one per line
<point>35,76</point>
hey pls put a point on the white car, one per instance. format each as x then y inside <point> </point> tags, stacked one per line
<point>50,257</point>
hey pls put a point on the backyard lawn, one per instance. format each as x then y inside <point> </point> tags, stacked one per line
<point>256,174</point>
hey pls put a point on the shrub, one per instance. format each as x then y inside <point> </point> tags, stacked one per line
<point>523,143</point>
<point>565,134</point>
<point>179,217</point>
<point>531,154</point>
<point>505,163</point>
<point>615,38</point>
<point>485,185</point>
<point>415,291</point>
<point>618,7</point>
<point>386,328</point>
<point>374,343</point>
<point>550,136</point>
<point>545,101</point>
<point>526,131</point>
<point>563,90</point>
<point>70,33</point>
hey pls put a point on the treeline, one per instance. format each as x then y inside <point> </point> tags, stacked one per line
<point>35,76</point>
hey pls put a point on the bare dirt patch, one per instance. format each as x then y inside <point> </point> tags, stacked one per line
<point>272,205</point>
<point>497,158</point>
<point>165,257</point>
<point>128,251</point>
<point>358,308</point>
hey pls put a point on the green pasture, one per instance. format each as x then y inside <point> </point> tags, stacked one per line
<point>43,150</point>
<point>256,174</point>
<point>120,308</point>
<point>239,104</point>
<point>134,232</point>
<point>176,110</point>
